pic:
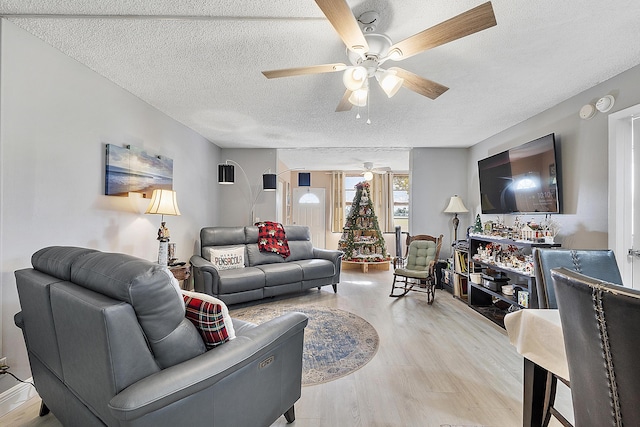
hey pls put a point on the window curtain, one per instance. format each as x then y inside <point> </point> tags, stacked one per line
<point>382,193</point>
<point>337,202</point>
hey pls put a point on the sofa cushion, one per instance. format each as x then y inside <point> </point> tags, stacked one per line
<point>210,316</point>
<point>222,236</point>
<point>227,257</point>
<point>316,268</point>
<point>281,274</point>
<point>241,279</point>
<point>256,257</point>
<point>300,249</point>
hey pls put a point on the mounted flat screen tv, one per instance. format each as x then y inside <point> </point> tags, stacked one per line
<point>524,179</point>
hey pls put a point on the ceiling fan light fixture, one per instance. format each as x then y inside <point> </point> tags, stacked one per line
<point>354,78</point>
<point>359,97</point>
<point>394,54</point>
<point>389,82</point>
<point>368,176</point>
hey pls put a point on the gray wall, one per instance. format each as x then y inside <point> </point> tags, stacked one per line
<point>436,175</point>
<point>56,117</point>
<point>236,199</point>
<point>583,147</point>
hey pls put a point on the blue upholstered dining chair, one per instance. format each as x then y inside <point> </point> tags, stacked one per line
<point>601,325</point>
<point>596,263</point>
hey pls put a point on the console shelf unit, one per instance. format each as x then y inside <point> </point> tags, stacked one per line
<point>480,295</point>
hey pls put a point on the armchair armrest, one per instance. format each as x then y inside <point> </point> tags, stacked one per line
<point>330,254</point>
<point>205,276</point>
<point>18,320</point>
<point>184,379</point>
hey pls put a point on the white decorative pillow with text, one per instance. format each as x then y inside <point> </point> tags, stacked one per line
<point>227,257</point>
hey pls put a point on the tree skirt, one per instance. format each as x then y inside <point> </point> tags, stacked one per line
<point>336,342</point>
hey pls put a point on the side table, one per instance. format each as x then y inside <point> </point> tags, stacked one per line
<point>182,273</point>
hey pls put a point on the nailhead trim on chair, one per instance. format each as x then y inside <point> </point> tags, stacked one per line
<point>576,261</point>
<point>596,294</point>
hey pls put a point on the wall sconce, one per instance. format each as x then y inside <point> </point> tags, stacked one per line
<point>163,202</point>
<point>455,207</point>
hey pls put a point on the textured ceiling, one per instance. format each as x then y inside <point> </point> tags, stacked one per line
<point>200,61</point>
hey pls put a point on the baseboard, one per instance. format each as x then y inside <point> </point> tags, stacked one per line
<point>16,396</point>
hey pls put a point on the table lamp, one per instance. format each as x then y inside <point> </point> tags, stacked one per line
<point>163,202</point>
<point>455,207</point>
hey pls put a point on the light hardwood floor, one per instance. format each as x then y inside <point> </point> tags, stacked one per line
<point>440,364</point>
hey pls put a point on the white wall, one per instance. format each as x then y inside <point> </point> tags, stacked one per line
<point>436,175</point>
<point>584,156</point>
<point>56,117</point>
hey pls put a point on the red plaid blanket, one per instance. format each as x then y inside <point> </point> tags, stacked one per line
<point>271,238</point>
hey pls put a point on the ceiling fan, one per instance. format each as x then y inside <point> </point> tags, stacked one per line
<point>367,52</point>
<point>369,170</point>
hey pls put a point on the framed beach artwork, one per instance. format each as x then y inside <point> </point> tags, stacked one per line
<point>132,170</point>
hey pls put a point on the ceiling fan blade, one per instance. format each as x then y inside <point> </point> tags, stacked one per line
<point>419,84</point>
<point>474,20</point>
<point>345,24</point>
<point>344,104</point>
<point>314,69</point>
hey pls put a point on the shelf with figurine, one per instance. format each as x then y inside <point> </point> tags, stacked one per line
<point>501,259</point>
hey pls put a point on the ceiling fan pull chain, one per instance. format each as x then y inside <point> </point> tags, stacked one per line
<point>369,109</point>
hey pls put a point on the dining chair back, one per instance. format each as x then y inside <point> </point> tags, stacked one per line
<point>601,325</point>
<point>598,263</point>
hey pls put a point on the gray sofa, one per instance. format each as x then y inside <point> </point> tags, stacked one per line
<point>265,274</point>
<point>108,344</point>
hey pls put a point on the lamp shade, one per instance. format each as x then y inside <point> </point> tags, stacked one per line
<point>269,181</point>
<point>226,174</point>
<point>389,82</point>
<point>163,202</point>
<point>359,97</point>
<point>354,78</point>
<point>456,205</point>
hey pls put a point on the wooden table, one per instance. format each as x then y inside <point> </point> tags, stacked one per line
<point>182,273</point>
<point>537,335</point>
<point>365,266</point>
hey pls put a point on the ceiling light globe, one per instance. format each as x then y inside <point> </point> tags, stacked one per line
<point>389,82</point>
<point>354,78</point>
<point>359,97</point>
<point>368,176</point>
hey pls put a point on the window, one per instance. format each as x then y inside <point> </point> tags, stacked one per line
<point>350,191</point>
<point>401,201</point>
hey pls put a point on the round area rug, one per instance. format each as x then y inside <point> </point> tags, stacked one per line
<point>336,342</point>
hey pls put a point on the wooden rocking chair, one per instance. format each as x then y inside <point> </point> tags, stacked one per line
<point>417,268</point>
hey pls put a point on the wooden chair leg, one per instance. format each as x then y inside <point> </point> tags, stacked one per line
<point>290,415</point>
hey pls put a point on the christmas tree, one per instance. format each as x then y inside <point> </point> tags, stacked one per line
<point>362,240</point>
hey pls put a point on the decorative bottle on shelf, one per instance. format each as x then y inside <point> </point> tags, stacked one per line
<point>362,240</point>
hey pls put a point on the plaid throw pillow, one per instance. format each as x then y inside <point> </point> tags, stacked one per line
<point>210,317</point>
<point>271,238</point>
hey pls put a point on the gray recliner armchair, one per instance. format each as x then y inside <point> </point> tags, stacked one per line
<point>108,344</point>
